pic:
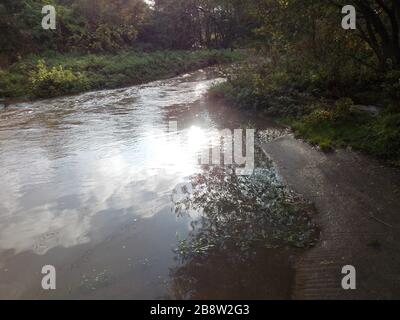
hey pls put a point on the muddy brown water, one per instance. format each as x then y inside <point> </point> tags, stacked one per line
<point>86,186</point>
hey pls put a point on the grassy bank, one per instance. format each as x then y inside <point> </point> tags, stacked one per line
<point>378,136</point>
<point>324,112</point>
<point>55,74</point>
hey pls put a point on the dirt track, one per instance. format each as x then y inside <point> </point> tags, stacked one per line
<point>358,203</point>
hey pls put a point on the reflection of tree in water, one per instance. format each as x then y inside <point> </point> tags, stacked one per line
<point>240,245</point>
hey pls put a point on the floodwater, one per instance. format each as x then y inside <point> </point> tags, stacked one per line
<point>86,186</point>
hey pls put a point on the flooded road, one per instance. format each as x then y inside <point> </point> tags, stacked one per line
<point>86,186</point>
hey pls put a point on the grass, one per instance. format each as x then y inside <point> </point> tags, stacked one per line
<point>329,135</point>
<point>377,136</point>
<point>54,74</point>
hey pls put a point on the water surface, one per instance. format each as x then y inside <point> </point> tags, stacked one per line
<point>86,185</point>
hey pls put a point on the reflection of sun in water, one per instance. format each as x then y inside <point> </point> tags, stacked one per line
<point>176,152</point>
<point>196,138</point>
<point>162,153</point>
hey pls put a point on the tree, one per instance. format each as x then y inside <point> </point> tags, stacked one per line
<point>379,27</point>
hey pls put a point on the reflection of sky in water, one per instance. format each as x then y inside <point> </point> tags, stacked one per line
<point>65,160</point>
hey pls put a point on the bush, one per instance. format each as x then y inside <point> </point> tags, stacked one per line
<point>391,86</point>
<point>376,136</point>
<point>383,137</point>
<point>58,74</point>
<point>11,83</point>
<point>319,114</point>
<point>253,88</point>
<point>343,109</point>
<point>322,113</point>
<point>55,81</point>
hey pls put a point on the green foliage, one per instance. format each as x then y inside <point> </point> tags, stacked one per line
<point>391,86</point>
<point>259,88</point>
<point>188,24</point>
<point>107,25</point>
<point>383,137</point>
<point>12,84</point>
<point>56,81</point>
<point>319,115</point>
<point>377,136</point>
<point>306,64</point>
<point>112,25</point>
<point>59,74</point>
<point>82,25</point>
<point>341,111</point>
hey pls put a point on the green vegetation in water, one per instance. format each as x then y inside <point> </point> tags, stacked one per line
<point>243,213</point>
<point>60,74</point>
